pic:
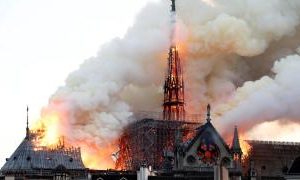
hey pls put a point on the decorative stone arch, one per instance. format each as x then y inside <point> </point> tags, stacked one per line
<point>61,173</point>
<point>225,161</point>
<point>223,168</point>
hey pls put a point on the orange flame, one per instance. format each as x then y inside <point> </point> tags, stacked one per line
<point>49,132</point>
<point>246,147</point>
<point>50,126</point>
<point>95,157</point>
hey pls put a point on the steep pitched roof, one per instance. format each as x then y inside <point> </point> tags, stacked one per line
<point>202,129</point>
<point>27,158</point>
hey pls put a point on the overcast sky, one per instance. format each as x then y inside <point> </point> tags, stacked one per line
<point>41,42</point>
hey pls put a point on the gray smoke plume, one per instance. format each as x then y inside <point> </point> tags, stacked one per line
<point>222,43</point>
<point>267,99</point>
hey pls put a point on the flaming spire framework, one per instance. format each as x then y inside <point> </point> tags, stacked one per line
<point>173,106</point>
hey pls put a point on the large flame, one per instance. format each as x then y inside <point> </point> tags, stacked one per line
<point>49,132</point>
<point>95,157</point>
<point>49,128</point>
<point>246,147</point>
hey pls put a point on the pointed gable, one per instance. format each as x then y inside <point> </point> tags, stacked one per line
<point>208,127</point>
<point>206,149</point>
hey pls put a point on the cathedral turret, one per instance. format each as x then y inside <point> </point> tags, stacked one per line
<point>236,148</point>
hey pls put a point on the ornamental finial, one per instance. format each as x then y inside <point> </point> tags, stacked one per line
<point>208,119</point>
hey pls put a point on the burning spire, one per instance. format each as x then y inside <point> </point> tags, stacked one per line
<point>174,85</point>
<point>173,23</point>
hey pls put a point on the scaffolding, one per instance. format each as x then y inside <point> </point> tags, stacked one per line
<point>158,115</point>
<point>144,141</point>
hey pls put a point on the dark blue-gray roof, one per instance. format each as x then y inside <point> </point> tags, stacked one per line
<point>27,158</point>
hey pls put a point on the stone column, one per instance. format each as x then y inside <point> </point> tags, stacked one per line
<point>217,172</point>
<point>143,173</point>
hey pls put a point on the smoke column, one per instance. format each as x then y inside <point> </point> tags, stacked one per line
<point>224,44</point>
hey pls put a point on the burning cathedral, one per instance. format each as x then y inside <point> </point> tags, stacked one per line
<point>168,145</point>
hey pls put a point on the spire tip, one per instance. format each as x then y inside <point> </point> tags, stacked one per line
<point>208,119</point>
<point>27,124</point>
<point>173,6</point>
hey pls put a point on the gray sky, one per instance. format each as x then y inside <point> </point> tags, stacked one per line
<point>41,42</point>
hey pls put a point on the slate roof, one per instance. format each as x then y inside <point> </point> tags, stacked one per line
<point>27,158</point>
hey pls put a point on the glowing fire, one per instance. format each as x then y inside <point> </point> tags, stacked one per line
<point>95,157</point>
<point>49,126</point>
<point>48,131</point>
<point>245,148</point>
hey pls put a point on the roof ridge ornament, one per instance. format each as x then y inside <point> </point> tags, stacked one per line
<point>208,119</point>
<point>27,124</point>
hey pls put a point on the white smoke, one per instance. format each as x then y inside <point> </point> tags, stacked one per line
<point>126,75</point>
<point>267,99</point>
<point>224,41</point>
<point>223,44</point>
